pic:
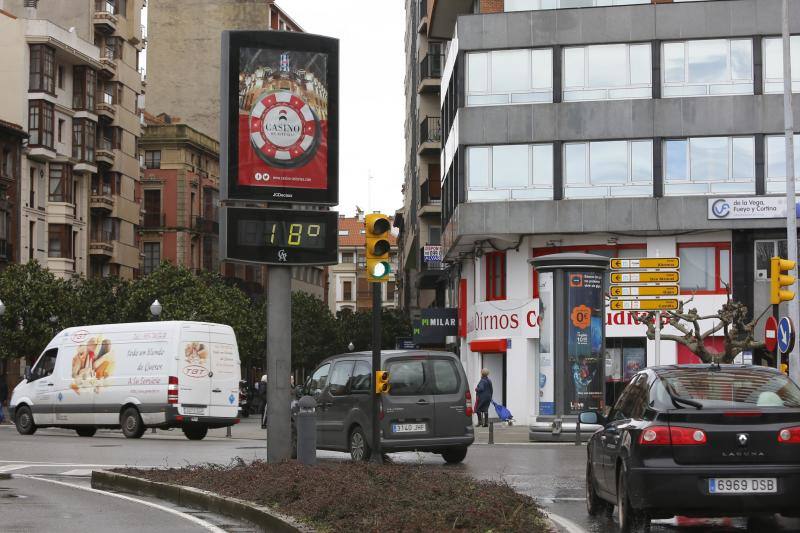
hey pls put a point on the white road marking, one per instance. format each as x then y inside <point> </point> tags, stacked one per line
<point>202,523</point>
<point>39,463</point>
<point>10,468</point>
<point>568,525</point>
<point>76,472</point>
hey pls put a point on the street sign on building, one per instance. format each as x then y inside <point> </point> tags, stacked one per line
<point>435,325</point>
<point>432,253</point>
<point>645,284</point>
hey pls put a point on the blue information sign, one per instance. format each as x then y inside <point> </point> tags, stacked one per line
<point>785,335</point>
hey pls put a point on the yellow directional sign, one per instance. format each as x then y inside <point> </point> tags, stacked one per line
<point>645,277</point>
<point>644,290</point>
<point>644,305</point>
<point>645,262</point>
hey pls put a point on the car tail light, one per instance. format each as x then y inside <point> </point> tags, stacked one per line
<point>468,404</point>
<point>678,436</point>
<point>172,390</point>
<point>789,435</point>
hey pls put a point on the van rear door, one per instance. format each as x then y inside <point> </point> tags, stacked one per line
<point>409,406</point>
<point>449,386</point>
<point>194,367</point>
<point>225,372</point>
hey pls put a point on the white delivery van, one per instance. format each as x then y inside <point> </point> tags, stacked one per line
<point>133,376</point>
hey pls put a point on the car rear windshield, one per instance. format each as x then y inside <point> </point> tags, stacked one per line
<point>420,376</point>
<point>731,387</point>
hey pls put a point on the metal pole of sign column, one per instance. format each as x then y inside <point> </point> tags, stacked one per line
<point>791,212</point>
<point>658,338</point>
<point>376,365</point>
<point>279,359</point>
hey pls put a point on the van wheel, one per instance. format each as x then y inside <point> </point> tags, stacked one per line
<point>359,448</point>
<point>195,433</point>
<point>454,455</point>
<point>24,421</point>
<point>86,432</point>
<point>131,422</point>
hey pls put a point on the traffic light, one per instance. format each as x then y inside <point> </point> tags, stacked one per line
<point>780,279</point>
<point>382,382</point>
<point>377,233</point>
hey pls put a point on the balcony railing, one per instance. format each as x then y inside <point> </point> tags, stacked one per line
<point>430,193</point>
<point>430,130</point>
<point>154,220</point>
<point>431,66</point>
<point>102,237</point>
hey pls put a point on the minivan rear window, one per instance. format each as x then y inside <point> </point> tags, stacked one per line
<point>732,387</point>
<point>406,377</point>
<point>445,377</point>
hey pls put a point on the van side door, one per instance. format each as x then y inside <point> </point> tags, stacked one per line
<point>336,404</point>
<point>225,371</point>
<point>43,386</point>
<point>449,386</point>
<point>194,367</point>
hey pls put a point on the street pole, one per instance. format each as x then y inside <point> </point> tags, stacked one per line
<point>377,304</point>
<point>658,338</point>
<point>791,210</point>
<point>279,359</point>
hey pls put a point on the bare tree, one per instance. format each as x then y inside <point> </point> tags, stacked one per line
<point>731,319</point>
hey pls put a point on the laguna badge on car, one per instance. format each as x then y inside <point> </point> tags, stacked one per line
<point>284,130</point>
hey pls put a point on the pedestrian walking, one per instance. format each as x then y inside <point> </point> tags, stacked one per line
<point>483,393</point>
<point>3,396</point>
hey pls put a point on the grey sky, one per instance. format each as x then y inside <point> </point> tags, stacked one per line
<point>372,111</point>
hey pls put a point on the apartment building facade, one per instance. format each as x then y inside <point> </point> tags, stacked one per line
<point>347,285</point>
<point>71,75</point>
<point>12,137</point>
<point>623,130</point>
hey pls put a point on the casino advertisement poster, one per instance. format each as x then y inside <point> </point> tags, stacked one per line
<point>283,138</point>
<point>585,355</point>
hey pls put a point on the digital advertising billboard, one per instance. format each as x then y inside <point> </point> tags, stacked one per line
<point>279,131</point>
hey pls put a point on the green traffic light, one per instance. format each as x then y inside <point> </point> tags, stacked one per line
<point>381,269</point>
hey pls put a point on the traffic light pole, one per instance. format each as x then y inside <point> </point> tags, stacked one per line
<point>791,210</point>
<point>377,305</point>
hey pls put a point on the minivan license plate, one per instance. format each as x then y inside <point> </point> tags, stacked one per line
<point>742,485</point>
<point>194,410</point>
<point>409,428</point>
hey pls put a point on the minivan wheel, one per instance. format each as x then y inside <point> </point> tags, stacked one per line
<point>195,433</point>
<point>131,422</point>
<point>24,421</point>
<point>454,455</point>
<point>86,432</point>
<point>359,448</point>
<point>630,520</point>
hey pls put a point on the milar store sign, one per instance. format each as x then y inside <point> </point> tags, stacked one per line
<point>504,319</point>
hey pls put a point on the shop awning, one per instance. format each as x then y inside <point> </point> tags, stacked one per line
<point>489,345</point>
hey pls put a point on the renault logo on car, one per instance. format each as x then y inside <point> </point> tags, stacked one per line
<point>742,438</point>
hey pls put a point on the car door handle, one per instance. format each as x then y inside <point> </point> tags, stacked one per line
<point>422,402</point>
<point>216,390</point>
<point>50,384</point>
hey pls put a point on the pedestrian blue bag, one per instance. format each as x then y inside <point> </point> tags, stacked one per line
<point>502,412</point>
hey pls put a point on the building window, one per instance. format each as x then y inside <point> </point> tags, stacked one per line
<point>496,276</point>
<point>509,77</point>
<point>8,165</point>
<point>152,257</point>
<point>41,117</point>
<point>59,241</point>
<point>348,257</point>
<point>773,64</point>
<point>535,5</point>
<point>61,130</point>
<point>776,162</point>
<point>708,67</point>
<point>42,69</point>
<point>60,183</point>
<point>83,138</point>
<point>152,158</point>
<point>510,172</point>
<point>764,252</point>
<point>109,93</point>
<point>347,291</point>
<point>607,72</point>
<point>152,208</point>
<point>60,71</point>
<point>390,290</point>
<point>84,86</point>
<point>702,165</point>
<point>705,267</point>
<point>608,168</point>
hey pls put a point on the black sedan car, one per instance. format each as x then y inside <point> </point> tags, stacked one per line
<point>697,440</point>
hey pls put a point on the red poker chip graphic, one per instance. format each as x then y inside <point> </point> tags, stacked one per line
<point>284,130</point>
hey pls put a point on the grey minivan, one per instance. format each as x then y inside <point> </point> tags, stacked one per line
<point>428,408</point>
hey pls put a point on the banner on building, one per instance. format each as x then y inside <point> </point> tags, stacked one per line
<point>504,319</point>
<point>279,138</point>
<point>584,363</point>
<point>748,207</point>
<point>547,405</point>
<point>435,325</point>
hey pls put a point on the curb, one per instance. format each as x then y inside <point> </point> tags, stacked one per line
<point>263,518</point>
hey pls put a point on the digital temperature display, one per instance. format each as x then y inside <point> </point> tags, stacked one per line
<point>281,236</point>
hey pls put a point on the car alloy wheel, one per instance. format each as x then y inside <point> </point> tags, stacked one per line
<point>359,449</point>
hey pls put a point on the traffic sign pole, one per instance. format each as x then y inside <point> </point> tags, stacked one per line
<point>658,338</point>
